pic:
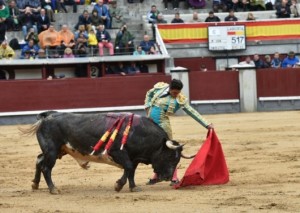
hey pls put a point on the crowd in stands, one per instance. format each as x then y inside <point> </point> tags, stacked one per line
<point>290,61</point>
<point>89,36</point>
<point>282,9</point>
<point>281,6</point>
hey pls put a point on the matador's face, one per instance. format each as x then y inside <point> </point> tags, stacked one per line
<point>174,92</point>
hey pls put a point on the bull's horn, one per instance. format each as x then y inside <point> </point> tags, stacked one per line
<point>187,157</point>
<point>170,145</point>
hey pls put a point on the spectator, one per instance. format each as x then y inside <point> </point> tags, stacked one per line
<point>95,20</point>
<point>43,21</point>
<point>21,4</point>
<point>232,5</point>
<point>177,19</point>
<point>103,12</point>
<point>283,10</point>
<point>250,17</point>
<point>81,45</point>
<point>81,30</point>
<point>259,64</point>
<point>139,51</point>
<point>219,5</point>
<point>257,5</point>
<point>6,51</point>
<point>46,4</point>
<point>27,21</point>
<point>13,16</point>
<point>34,5</point>
<point>294,9</point>
<point>66,39</point>
<point>92,42</point>
<point>175,4</point>
<point>26,55</point>
<point>195,18</point>
<point>269,4</point>
<point>152,15</point>
<point>276,62</point>
<point>41,54</point>
<point>203,68</point>
<point>146,44</point>
<point>116,15</point>
<point>104,39</point>
<point>120,68</point>
<point>245,5</point>
<point>212,18</point>
<point>31,49</point>
<point>50,41</point>
<point>290,61</point>
<point>133,68</point>
<point>4,15</point>
<point>124,41</point>
<point>59,5</point>
<point>153,51</point>
<point>268,61</point>
<point>247,61</point>
<point>143,67</point>
<point>32,35</point>
<point>68,53</point>
<point>63,4</point>
<point>160,19</point>
<point>84,19</point>
<point>231,16</point>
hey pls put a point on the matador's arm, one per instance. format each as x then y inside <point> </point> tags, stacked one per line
<point>188,109</point>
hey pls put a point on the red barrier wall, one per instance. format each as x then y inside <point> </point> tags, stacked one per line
<point>214,85</point>
<point>193,64</point>
<point>278,82</point>
<point>28,95</point>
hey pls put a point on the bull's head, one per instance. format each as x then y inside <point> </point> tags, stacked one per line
<point>164,161</point>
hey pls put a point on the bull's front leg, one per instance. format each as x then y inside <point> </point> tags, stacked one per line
<point>121,182</point>
<point>132,186</point>
<point>122,158</point>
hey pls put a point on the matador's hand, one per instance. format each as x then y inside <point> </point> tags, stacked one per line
<point>210,126</point>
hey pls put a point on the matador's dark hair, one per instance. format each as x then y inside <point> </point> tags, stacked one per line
<point>176,84</point>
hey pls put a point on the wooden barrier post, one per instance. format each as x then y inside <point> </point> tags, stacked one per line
<point>248,90</point>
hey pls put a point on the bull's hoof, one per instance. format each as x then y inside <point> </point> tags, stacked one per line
<point>54,191</point>
<point>118,187</point>
<point>136,189</point>
<point>85,165</point>
<point>35,186</point>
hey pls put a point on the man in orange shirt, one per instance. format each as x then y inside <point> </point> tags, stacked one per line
<point>50,41</point>
<point>66,38</point>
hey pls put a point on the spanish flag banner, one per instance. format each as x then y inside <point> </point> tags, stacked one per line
<point>260,30</point>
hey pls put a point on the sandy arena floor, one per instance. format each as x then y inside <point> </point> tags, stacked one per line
<point>262,152</point>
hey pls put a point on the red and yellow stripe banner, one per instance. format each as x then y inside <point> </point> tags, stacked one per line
<point>260,30</point>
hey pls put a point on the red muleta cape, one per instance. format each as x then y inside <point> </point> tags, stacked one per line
<point>209,165</point>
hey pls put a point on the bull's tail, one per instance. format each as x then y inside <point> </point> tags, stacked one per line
<point>34,127</point>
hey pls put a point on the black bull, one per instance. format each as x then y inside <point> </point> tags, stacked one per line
<point>76,134</point>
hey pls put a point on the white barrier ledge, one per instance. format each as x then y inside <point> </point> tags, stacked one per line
<point>98,109</point>
<point>216,101</point>
<point>278,98</point>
